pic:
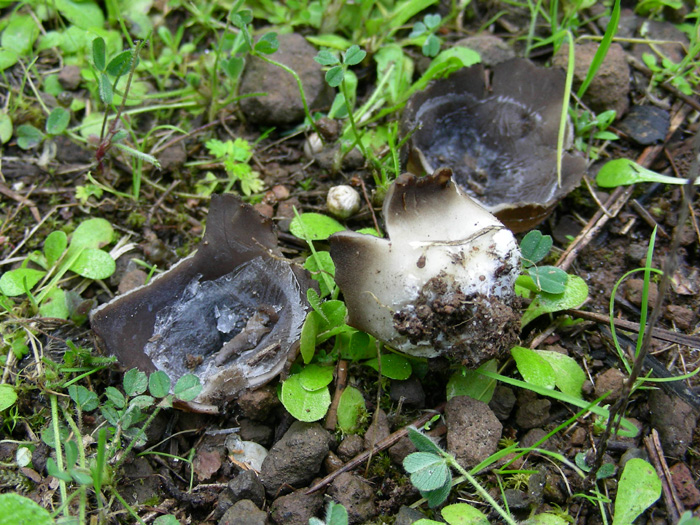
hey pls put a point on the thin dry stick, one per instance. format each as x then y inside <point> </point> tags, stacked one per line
<point>341,382</point>
<point>656,454</point>
<point>383,444</point>
<point>617,199</point>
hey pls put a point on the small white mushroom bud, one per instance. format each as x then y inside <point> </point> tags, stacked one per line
<point>343,201</point>
<point>313,145</point>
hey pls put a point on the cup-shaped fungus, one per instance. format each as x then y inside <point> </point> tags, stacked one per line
<point>442,284</point>
<point>230,314</point>
<point>500,139</point>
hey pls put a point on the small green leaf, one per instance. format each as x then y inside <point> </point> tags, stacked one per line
<point>334,76</point>
<point>105,89</point>
<point>6,128</point>
<point>143,401</point>
<point>533,367</point>
<point>422,442</point>
<point>549,279</point>
<point>394,366</point>
<point>302,404</point>
<point>329,40</point>
<point>622,172</point>
<point>320,263</point>
<point>92,233</point>
<point>19,509</point>
<point>54,304</point>
<point>115,397</point>
<point>20,280</point>
<point>94,264</point>
<point>431,46</point>
<point>58,121</point>
<point>120,64</point>
<point>354,55</point>
<point>54,246</point>
<point>135,382</point>
<point>314,226</point>
<point>267,44</point>
<point>545,519</point>
<point>534,247</point>
<point>86,399</point>
<point>81,476</point>
<point>19,34</point>
<point>463,514</point>
<point>639,488</point>
<point>350,408</point>
<point>314,377</point>
<point>8,396</point>
<point>335,312</point>
<point>431,475</point>
<point>85,14</point>
<point>159,384</point>
<point>28,136</point>
<point>432,22</point>
<point>473,384</point>
<point>355,345</point>
<point>418,29</point>
<point>188,387</point>
<point>574,296</point>
<point>99,54</point>
<point>167,519</point>
<point>438,496</point>
<point>326,58</point>
<point>309,330</point>
<point>569,375</point>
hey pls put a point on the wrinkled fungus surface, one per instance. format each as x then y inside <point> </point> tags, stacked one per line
<point>231,313</point>
<point>442,284</point>
<point>499,137</point>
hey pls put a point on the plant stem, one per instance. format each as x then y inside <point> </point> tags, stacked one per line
<point>132,443</point>
<point>58,449</point>
<point>481,490</point>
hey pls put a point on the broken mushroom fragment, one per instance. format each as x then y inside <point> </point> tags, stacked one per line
<point>230,314</point>
<point>442,284</point>
<point>500,139</point>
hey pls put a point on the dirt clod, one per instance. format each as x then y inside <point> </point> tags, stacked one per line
<point>355,494</point>
<point>296,508</point>
<point>245,512</point>
<point>247,485</point>
<point>674,420</point>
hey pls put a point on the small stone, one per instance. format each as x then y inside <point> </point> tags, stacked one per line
<point>378,429</point>
<point>132,279</point>
<point>264,209</point>
<point>247,485</point>
<point>681,316</point>
<point>350,447</point>
<point>70,78</point>
<point>674,420</point>
<point>492,49</point>
<point>282,104</point>
<point>612,381</point>
<point>634,289</point>
<point>296,458</point>
<point>356,495</point>
<point>532,411</point>
<point>407,516</point>
<point>173,157</point>
<point>533,436</point>
<point>296,508</point>
<point>280,192</point>
<point>410,390</point>
<point>244,513</point>
<point>258,404</point>
<point>256,432</point>
<point>646,125</point>
<point>610,86</point>
<point>502,402</point>
<point>473,430</point>
<point>402,448</point>
<point>332,462</point>
<point>684,484</point>
<point>285,213</point>
<point>578,437</point>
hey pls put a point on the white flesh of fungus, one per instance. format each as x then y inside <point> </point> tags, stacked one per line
<point>446,259</point>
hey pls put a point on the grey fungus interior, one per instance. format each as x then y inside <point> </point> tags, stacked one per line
<point>231,313</point>
<point>498,133</point>
<point>442,283</point>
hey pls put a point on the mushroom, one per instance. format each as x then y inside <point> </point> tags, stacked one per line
<point>500,139</point>
<point>442,284</point>
<point>231,313</point>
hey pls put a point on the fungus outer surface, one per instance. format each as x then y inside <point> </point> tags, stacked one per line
<point>180,322</point>
<point>443,281</point>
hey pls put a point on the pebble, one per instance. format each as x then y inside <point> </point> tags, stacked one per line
<point>473,430</point>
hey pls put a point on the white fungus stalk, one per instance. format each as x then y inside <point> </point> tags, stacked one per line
<point>443,283</point>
